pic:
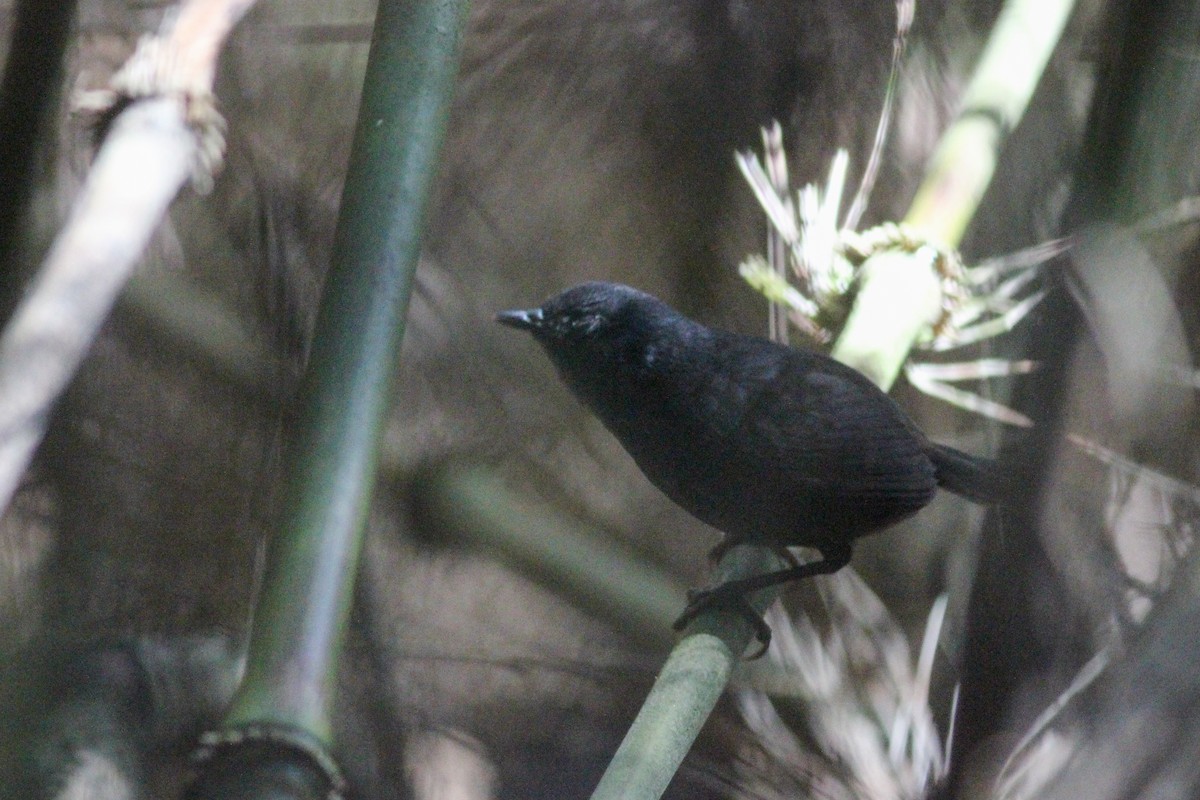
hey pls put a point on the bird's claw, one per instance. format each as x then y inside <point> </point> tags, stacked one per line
<point>700,600</point>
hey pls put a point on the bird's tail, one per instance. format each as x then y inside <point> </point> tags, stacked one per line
<point>977,479</point>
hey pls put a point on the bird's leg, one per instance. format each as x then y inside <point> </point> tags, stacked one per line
<point>732,594</point>
<point>832,559</point>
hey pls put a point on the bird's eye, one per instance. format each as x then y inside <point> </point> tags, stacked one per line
<point>588,324</point>
<point>580,326</point>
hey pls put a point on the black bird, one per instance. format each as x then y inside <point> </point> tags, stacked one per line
<point>770,445</point>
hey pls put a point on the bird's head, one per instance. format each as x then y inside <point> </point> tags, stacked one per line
<point>589,315</point>
<point>594,329</point>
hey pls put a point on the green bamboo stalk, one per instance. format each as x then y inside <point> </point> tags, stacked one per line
<point>1008,72</point>
<point>300,624</point>
<point>900,296</point>
<point>687,688</point>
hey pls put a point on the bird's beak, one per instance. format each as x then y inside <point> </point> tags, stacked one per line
<point>526,320</point>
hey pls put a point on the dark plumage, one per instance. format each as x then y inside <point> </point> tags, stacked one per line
<point>768,444</point>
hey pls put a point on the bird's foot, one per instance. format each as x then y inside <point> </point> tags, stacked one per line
<point>700,600</point>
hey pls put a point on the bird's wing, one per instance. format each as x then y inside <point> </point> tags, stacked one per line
<point>807,420</point>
